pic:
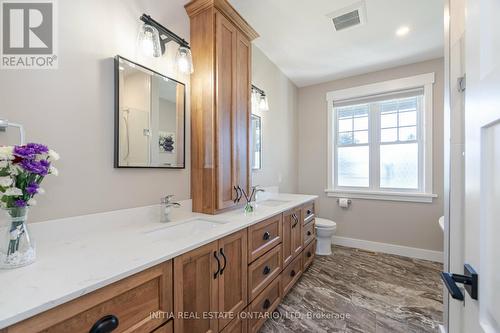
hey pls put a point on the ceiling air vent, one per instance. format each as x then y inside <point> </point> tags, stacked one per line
<point>349,17</point>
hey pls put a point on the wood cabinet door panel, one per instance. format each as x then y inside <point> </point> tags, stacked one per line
<point>266,302</point>
<point>263,270</point>
<point>291,275</point>
<point>226,37</point>
<point>309,233</point>
<point>309,254</point>
<point>233,296</point>
<point>196,289</point>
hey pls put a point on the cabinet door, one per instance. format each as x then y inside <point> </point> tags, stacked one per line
<point>242,132</point>
<point>297,233</point>
<point>226,36</point>
<point>233,275</point>
<point>196,289</point>
<point>292,235</point>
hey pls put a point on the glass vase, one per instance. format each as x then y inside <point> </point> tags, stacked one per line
<point>17,248</point>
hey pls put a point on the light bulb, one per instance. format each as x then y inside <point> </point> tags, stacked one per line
<point>184,60</point>
<point>149,41</point>
<point>263,105</point>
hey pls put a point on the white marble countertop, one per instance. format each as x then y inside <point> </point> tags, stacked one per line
<point>78,255</point>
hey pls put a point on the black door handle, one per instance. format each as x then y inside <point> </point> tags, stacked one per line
<point>225,261</point>
<point>218,265</point>
<point>469,280</point>
<point>266,235</point>
<point>105,325</point>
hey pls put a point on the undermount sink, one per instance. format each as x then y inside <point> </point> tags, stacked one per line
<point>190,228</point>
<point>272,202</point>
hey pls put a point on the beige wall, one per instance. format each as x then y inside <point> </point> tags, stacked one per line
<point>400,223</point>
<point>71,109</point>
<point>279,142</point>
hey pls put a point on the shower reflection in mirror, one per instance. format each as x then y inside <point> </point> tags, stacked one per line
<point>150,117</point>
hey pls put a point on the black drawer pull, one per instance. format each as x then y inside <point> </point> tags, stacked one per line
<point>309,254</point>
<point>267,270</point>
<point>266,236</point>
<point>309,233</point>
<point>266,304</point>
<point>292,273</point>
<point>218,265</point>
<point>309,212</point>
<point>105,325</point>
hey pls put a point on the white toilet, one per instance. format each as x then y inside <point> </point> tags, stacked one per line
<point>325,229</point>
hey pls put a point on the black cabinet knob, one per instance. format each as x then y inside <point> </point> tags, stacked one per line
<point>309,254</point>
<point>309,233</point>
<point>309,212</point>
<point>105,325</point>
<point>292,273</point>
<point>266,236</point>
<point>266,304</point>
<point>267,270</point>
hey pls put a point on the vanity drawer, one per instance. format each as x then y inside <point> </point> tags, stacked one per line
<point>308,212</point>
<point>309,233</point>
<point>166,328</point>
<point>262,271</point>
<point>130,300</point>
<point>309,254</point>
<point>266,302</point>
<point>291,275</point>
<point>264,236</point>
<point>237,325</point>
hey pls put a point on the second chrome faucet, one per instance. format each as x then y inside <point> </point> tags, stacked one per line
<point>166,207</point>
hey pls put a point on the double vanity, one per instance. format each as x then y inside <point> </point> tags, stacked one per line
<point>198,273</point>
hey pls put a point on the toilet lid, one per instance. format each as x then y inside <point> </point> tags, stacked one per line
<point>324,223</point>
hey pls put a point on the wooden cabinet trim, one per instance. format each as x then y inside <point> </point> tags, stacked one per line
<point>309,254</point>
<point>195,7</point>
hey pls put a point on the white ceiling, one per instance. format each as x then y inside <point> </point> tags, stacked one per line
<point>298,37</point>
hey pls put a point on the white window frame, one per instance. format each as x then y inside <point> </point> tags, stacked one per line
<point>424,193</point>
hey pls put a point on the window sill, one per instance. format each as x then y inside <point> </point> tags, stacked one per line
<point>388,196</point>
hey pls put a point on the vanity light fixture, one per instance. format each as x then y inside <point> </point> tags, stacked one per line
<point>402,31</point>
<point>259,96</point>
<point>156,46</point>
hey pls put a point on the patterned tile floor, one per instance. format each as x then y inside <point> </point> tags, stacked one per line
<point>354,290</point>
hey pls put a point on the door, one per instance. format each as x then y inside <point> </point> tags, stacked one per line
<point>196,289</point>
<point>233,275</point>
<point>226,36</point>
<point>482,164</point>
<point>242,128</point>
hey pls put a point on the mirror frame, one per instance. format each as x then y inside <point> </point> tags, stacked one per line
<point>117,117</point>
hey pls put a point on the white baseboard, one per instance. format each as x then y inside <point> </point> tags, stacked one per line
<point>404,251</point>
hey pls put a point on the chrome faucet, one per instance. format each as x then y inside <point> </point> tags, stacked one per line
<point>166,207</point>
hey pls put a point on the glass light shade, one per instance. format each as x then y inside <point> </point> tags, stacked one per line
<point>255,101</point>
<point>263,104</point>
<point>149,41</point>
<point>184,60</point>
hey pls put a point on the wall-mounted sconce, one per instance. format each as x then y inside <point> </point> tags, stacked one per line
<point>259,98</point>
<point>152,40</point>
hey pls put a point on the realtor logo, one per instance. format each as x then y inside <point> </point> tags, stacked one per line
<point>28,34</point>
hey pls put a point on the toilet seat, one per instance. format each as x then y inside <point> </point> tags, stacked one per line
<point>325,224</point>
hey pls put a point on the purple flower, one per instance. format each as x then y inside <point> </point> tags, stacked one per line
<point>20,203</point>
<point>30,150</point>
<point>32,188</point>
<point>37,167</point>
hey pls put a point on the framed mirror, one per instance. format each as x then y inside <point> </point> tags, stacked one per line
<point>149,118</point>
<point>256,142</point>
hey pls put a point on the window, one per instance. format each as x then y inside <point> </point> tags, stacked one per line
<point>380,140</point>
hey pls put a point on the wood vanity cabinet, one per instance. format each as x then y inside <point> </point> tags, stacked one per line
<point>208,280</point>
<point>220,104</point>
<point>292,235</point>
<point>131,301</point>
